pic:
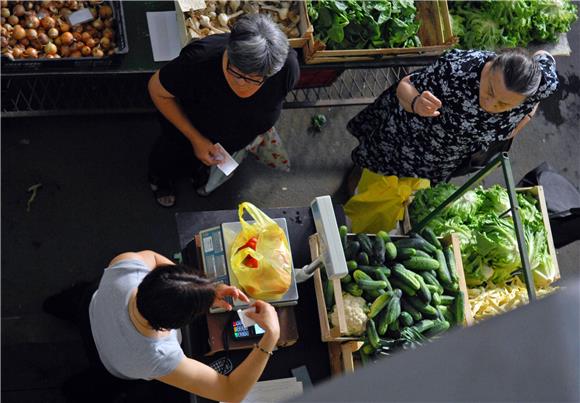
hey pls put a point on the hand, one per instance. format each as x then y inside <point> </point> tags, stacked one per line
<point>222,291</point>
<point>427,104</point>
<point>266,317</point>
<point>206,152</point>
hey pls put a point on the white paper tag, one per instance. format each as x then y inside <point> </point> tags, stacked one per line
<point>228,163</point>
<point>78,17</point>
<point>187,5</point>
<point>163,35</point>
<point>247,322</point>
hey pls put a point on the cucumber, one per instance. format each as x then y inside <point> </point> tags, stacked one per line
<point>415,243</point>
<point>424,325</point>
<point>353,289</point>
<point>363,258</point>
<point>367,348</point>
<point>424,293</point>
<point>436,298</point>
<point>359,275</point>
<point>370,295</point>
<point>438,327</point>
<point>390,251</point>
<point>406,318</point>
<point>384,235</point>
<point>442,270</point>
<point>458,308</point>
<point>380,275</point>
<point>425,309</point>
<point>382,325</point>
<point>415,314</point>
<point>369,285</point>
<point>378,253</point>
<point>365,243</point>
<point>446,312</point>
<point>328,294</point>
<point>447,300</point>
<point>364,358</point>
<point>406,253</point>
<point>427,246</point>
<point>450,259</point>
<point>420,263</point>
<point>421,253</point>
<point>395,326</point>
<point>343,232</point>
<point>434,289</point>
<point>372,334</point>
<point>406,276</point>
<point>352,265</point>
<point>431,279</point>
<point>452,288</point>
<point>430,237</point>
<point>346,279</point>
<point>402,286</point>
<point>393,310</point>
<point>378,304</point>
<point>370,270</point>
<point>351,250</point>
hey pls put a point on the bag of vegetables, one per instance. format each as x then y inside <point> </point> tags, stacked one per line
<point>260,256</point>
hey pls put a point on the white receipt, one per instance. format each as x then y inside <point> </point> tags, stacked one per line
<point>228,163</point>
<point>247,322</point>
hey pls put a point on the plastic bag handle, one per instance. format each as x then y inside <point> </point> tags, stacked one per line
<point>255,213</point>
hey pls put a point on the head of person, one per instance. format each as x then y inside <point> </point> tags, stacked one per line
<point>512,77</point>
<point>257,49</point>
<point>171,296</point>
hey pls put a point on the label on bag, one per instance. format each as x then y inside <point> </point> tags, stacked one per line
<point>228,164</point>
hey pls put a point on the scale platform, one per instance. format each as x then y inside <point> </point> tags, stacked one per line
<point>216,243</point>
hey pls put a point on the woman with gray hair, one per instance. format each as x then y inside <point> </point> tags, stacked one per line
<point>225,89</point>
<point>435,119</point>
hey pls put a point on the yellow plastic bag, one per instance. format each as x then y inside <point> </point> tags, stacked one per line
<point>260,256</point>
<point>380,201</point>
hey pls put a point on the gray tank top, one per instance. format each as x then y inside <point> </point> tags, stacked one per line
<point>124,351</point>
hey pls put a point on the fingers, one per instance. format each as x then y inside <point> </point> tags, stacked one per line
<point>222,304</point>
<point>233,292</point>
<point>428,96</point>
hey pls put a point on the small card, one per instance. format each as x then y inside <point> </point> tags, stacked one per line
<point>247,322</point>
<point>81,16</point>
<point>228,164</point>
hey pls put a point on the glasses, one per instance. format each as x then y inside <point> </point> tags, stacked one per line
<point>244,77</point>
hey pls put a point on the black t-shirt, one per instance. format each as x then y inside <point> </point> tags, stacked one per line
<point>196,78</point>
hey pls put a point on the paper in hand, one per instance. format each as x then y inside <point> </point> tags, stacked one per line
<point>228,164</point>
<point>247,322</point>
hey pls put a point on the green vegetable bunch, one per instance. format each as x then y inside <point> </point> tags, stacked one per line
<point>491,24</point>
<point>485,228</point>
<point>352,24</point>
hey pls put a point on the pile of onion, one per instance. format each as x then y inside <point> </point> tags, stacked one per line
<point>41,29</point>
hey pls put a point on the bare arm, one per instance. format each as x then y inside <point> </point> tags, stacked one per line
<point>426,105</point>
<point>170,108</point>
<point>151,259</point>
<point>199,379</point>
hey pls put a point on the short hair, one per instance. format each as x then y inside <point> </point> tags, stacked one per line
<point>171,296</point>
<point>257,46</point>
<point>521,73</point>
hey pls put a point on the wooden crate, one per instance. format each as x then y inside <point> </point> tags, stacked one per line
<point>435,34</point>
<point>338,334</point>
<point>538,193</point>
<point>304,27</point>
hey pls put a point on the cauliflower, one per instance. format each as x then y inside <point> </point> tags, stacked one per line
<point>355,311</point>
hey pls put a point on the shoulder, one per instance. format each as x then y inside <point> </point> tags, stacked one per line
<point>203,49</point>
<point>124,258</point>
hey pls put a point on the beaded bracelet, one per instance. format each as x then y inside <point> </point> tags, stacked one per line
<point>413,102</point>
<point>262,350</point>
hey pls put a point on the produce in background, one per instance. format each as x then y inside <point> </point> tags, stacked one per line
<point>489,246</point>
<point>352,24</point>
<point>398,293</point>
<point>219,16</point>
<point>41,29</point>
<point>496,24</point>
<point>494,299</point>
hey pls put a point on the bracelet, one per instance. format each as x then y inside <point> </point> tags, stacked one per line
<point>413,102</point>
<point>262,350</point>
<point>530,116</point>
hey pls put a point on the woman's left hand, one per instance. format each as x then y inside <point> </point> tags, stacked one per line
<point>222,291</point>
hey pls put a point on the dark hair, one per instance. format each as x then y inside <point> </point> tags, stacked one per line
<point>257,46</point>
<point>171,296</point>
<point>521,73</point>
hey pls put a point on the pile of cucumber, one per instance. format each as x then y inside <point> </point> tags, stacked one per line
<point>411,285</point>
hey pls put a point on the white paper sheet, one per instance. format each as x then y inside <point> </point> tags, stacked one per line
<point>163,35</point>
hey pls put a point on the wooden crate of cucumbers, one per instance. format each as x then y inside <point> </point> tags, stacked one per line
<point>408,287</point>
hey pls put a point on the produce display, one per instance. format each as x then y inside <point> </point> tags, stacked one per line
<point>355,24</point>
<point>496,24</point>
<point>398,293</point>
<point>219,16</point>
<point>493,300</point>
<point>41,29</point>
<point>489,246</point>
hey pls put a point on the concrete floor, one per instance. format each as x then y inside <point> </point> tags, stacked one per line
<point>95,203</point>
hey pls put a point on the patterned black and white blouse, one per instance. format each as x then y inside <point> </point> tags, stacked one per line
<point>396,142</point>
